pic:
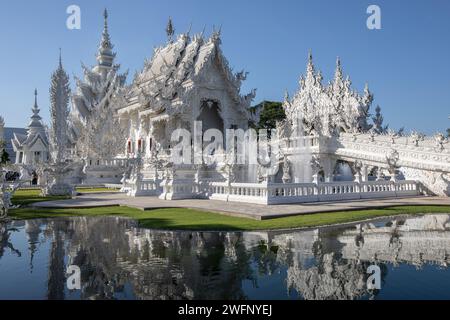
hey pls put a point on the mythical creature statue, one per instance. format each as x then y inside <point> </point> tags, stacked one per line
<point>286,170</point>
<point>7,190</point>
<point>440,140</point>
<point>416,137</point>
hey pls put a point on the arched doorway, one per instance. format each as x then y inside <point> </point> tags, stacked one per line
<point>210,116</point>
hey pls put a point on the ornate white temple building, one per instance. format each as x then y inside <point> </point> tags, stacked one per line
<point>32,148</point>
<point>187,102</point>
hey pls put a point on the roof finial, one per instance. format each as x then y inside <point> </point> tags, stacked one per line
<point>105,55</point>
<point>106,40</point>
<point>170,31</point>
<point>310,68</point>
<point>35,109</point>
<point>286,95</point>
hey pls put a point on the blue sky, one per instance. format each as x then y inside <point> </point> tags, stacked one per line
<point>406,63</point>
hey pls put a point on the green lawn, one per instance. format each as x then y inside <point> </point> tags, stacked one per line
<point>95,190</point>
<point>27,196</point>
<point>187,219</point>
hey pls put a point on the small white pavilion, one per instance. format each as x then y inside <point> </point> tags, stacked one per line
<point>32,148</point>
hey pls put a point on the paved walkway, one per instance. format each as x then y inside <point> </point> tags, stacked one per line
<point>255,211</point>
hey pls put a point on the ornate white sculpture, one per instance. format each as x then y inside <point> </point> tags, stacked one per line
<point>392,160</point>
<point>286,170</point>
<point>316,168</point>
<point>324,110</point>
<point>378,122</point>
<point>59,165</point>
<point>7,190</point>
<point>440,140</point>
<point>95,125</point>
<point>416,137</point>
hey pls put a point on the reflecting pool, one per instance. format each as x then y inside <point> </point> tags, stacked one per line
<point>119,260</point>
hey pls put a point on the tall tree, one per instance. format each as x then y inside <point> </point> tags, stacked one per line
<point>271,112</point>
<point>4,158</point>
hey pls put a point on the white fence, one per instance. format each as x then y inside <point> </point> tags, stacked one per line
<point>146,187</point>
<point>309,192</point>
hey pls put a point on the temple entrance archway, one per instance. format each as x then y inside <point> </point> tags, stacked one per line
<point>210,116</point>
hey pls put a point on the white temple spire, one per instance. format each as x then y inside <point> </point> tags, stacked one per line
<point>105,55</point>
<point>35,124</point>
<point>170,31</point>
<point>35,118</point>
<point>338,74</point>
<point>310,69</point>
<point>59,111</point>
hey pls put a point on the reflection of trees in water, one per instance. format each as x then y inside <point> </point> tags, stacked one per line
<point>5,242</point>
<point>117,259</point>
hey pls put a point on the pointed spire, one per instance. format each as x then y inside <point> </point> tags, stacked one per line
<point>366,88</point>
<point>286,96</point>
<point>310,68</point>
<point>35,118</point>
<point>170,31</point>
<point>59,102</point>
<point>60,59</point>
<point>105,55</point>
<point>106,40</point>
<point>338,74</point>
<point>35,100</point>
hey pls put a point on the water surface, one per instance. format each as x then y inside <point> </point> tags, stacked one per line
<point>119,260</point>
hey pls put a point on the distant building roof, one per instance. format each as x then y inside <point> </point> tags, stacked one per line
<point>9,135</point>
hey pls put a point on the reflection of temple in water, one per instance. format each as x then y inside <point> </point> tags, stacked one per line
<point>120,260</point>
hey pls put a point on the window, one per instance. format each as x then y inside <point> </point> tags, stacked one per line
<point>140,146</point>
<point>37,156</point>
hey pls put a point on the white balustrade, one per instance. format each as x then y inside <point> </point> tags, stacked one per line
<point>279,193</point>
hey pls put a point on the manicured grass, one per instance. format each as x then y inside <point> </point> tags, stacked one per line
<point>188,219</point>
<point>95,190</point>
<point>27,196</point>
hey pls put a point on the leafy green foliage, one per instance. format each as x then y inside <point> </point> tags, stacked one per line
<point>4,157</point>
<point>271,112</point>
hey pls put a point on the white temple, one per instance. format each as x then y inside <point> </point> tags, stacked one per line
<point>186,103</point>
<point>32,148</point>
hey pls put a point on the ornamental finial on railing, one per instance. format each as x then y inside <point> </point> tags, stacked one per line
<point>440,140</point>
<point>416,137</point>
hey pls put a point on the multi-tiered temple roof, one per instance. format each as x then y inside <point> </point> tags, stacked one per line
<point>100,83</point>
<point>36,131</point>
<point>174,67</point>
